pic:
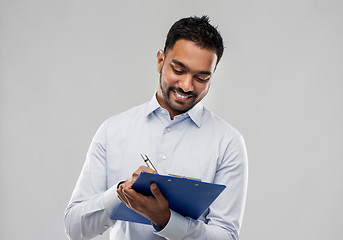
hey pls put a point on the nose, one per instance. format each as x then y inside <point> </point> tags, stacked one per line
<point>186,83</point>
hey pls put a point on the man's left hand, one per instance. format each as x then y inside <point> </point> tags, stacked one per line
<point>155,207</point>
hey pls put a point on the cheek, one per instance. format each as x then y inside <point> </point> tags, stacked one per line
<point>202,89</point>
<point>169,79</point>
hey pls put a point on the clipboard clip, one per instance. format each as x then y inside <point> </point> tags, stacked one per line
<point>190,178</point>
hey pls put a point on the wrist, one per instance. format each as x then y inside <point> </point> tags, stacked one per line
<point>162,221</point>
<point>120,183</point>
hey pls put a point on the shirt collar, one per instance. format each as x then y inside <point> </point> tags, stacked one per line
<point>153,105</point>
<point>195,113</point>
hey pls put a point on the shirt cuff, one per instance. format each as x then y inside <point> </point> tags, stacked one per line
<point>177,225</point>
<point>110,199</point>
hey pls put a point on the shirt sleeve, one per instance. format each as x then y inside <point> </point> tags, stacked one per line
<point>224,217</point>
<point>87,214</point>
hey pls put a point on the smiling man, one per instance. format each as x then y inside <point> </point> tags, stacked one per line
<point>185,75</point>
<point>180,136</point>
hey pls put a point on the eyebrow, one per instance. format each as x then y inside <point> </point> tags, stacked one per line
<point>184,66</point>
<point>179,63</point>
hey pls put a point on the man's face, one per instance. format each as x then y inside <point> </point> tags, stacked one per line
<point>185,76</point>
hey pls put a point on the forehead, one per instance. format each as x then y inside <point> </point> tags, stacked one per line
<point>192,56</point>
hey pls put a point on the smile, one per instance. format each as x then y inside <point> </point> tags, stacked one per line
<point>181,96</point>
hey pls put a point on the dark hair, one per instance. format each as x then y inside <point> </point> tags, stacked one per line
<point>198,30</point>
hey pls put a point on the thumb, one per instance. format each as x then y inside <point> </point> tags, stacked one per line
<point>156,191</point>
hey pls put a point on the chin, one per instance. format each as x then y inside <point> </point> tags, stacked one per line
<point>180,108</point>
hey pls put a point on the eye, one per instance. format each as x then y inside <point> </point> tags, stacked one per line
<point>177,71</point>
<point>202,78</point>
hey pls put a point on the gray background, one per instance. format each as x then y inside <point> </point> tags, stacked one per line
<point>66,66</point>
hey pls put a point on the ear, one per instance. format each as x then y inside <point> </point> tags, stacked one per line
<point>160,60</point>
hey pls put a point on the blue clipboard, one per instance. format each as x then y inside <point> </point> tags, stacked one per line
<point>187,197</point>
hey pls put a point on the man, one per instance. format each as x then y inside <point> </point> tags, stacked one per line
<point>180,136</point>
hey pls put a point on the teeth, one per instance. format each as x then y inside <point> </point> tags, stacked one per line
<point>181,96</point>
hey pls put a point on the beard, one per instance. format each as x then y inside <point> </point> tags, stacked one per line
<point>180,107</point>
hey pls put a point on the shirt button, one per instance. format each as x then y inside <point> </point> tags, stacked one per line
<point>168,129</point>
<point>163,111</point>
<point>164,157</point>
<point>106,227</point>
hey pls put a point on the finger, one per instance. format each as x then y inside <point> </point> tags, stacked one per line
<point>132,196</point>
<point>133,199</point>
<point>126,184</point>
<point>124,200</point>
<point>127,194</point>
<point>156,192</point>
<point>121,199</point>
<point>121,196</point>
<point>136,173</point>
<point>127,198</point>
<point>142,169</point>
<point>146,169</point>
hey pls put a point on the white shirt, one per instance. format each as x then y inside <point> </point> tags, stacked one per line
<point>195,144</point>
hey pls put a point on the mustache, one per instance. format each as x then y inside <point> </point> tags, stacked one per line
<point>180,90</point>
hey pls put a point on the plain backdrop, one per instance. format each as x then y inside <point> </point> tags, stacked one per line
<point>66,66</point>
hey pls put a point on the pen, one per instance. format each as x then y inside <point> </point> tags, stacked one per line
<point>148,162</point>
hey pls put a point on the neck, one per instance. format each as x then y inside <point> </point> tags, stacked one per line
<point>163,104</point>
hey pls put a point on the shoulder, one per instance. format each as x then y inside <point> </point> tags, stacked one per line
<point>219,125</point>
<point>128,115</point>
<point>229,140</point>
<point>123,120</point>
